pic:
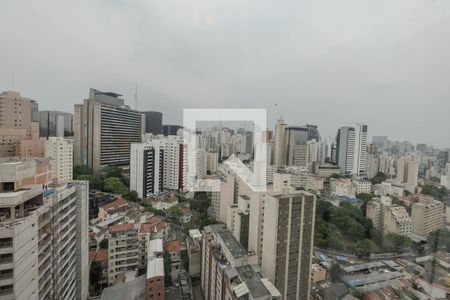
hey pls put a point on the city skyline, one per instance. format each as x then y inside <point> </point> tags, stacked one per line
<point>382,69</point>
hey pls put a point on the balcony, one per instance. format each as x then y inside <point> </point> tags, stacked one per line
<point>6,247</point>
<point>6,279</point>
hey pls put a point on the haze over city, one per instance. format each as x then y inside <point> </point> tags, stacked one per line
<point>331,63</point>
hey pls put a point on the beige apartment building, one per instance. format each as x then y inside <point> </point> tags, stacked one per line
<point>427,216</point>
<point>228,271</point>
<point>123,251</point>
<point>16,126</point>
<point>287,247</point>
<point>396,219</point>
<point>43,233</point>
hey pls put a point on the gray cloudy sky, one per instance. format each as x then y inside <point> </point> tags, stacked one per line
<point>332,63</point>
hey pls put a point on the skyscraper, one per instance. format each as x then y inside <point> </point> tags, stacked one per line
<point>408,171</point>
<point>288,237</point>
<point>104,128</point>
<point>146,169</point>
<point>153,122</point>
<point>158,164</point>
<point>296,147</point>
<point>279,156</point>
<point>352,149</point>
<point>55,123</point>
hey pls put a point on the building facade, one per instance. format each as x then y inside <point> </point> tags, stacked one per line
<point>104,128</point>
<point>44,233</point>
<point>60,153</point>
<point>153,122</point>
<point>288,242</point>
<point>352,149</point>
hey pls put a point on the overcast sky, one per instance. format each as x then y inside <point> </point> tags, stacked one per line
<point>332,63</point>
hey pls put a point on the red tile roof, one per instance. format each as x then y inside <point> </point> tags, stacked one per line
<point>184,210</point>
<point>154,220</point>
<point>116,203</point>
<point>172,246</point>
<point>102,255</point>
<point>121,227</point>
<point>145,228</point>
<point>158,227</point>
<point>99,256</point>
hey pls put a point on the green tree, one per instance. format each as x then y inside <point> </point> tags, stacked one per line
<point>95,276</point>
<point>363,248</point>
<point>335,272</point>
<point>167,269</point>
<point>379,177</point>
<point>185,259</point>
<point>104,244</point>
<point>131,196</point>
<point>110,171</point>
<point>95,183</point>
<point>81,170</point>
<point>115,185</point>
<point>436,192</point>
<point>155,211</point>
<point>435,180</point>
<point>396,241</point>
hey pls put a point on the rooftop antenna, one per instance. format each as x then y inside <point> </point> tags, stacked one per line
<point>12,82</point>
<point>135,98</point>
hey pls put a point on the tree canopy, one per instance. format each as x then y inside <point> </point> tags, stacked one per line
<point>115,185</point>
<point>81,170</point>
<point>95,183</point>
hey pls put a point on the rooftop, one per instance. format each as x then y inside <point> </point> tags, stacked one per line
<point>155,245</point>
<point>172,246</point>
<point>129,290</point>
<point>115,204</point>
<point>253,282</point>
<point>236,249</point>
<point>100,255</point>
<point>155,267</point>
<point>121,227</point>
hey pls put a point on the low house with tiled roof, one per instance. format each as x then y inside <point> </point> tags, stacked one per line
<point>186,215</point>
<point>173,248</point>
<point>165,201</point>
<point>159,231</point>
<point>117,207</point>
<point>153,220</point>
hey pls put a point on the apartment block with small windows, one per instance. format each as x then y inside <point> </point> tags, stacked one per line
<point>60,152</point>
<point>43,233</point>
<point>228,271</point>
<point>123,251</point>
<point>427,216</point>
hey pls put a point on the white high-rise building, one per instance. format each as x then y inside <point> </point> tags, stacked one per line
<point>60,152</point>
<point>146,169</point>
<point>157,165</point>
<point>352,149</point>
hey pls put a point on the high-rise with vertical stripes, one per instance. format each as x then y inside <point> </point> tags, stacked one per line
<point>104,128</point>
